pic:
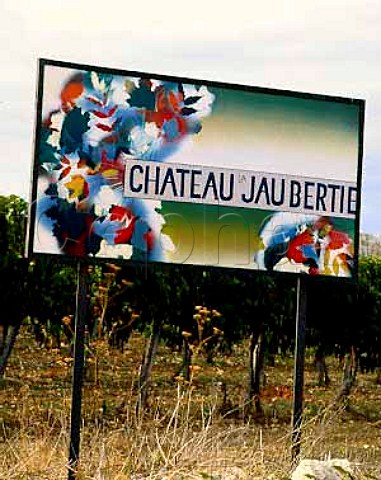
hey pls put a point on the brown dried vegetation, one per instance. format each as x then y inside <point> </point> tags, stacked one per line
<point>184,433</point>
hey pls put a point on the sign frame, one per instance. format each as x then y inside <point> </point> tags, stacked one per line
<point>43,63</point>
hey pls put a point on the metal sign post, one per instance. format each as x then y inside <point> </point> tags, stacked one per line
<point>78,369</point>
<point>297,407</point>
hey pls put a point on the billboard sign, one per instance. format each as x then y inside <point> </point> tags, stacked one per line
<point>135,166</point>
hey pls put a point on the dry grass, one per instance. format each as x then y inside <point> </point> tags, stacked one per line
<point>177,451</point>
<point>183,435</point>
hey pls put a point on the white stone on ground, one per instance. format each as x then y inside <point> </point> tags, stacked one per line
<point>334,469</point>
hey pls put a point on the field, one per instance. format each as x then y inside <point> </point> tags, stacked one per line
<point>190,430</point>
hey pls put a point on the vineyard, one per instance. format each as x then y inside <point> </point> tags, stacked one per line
<point>188,372</point>
<point>194,429</point>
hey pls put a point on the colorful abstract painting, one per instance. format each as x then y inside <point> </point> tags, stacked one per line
<point>101,132</point>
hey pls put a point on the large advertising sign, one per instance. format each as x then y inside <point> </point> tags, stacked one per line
<point>135,166</point>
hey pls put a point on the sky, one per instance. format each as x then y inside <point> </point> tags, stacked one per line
<point>327,47</point>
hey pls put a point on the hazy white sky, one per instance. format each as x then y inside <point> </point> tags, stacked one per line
<point>331,47</point>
